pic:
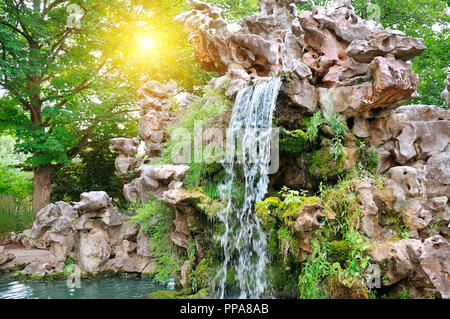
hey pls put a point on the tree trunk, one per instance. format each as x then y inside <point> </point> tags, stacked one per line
<point>41,186</point>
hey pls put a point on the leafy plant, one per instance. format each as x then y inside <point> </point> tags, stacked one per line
<point>69,265</point>
<point>404,232</point>
<point>338,129</point>
<point>15,215</point>
<point>404,294</point>
<point>314,271</point>
<point>191,259</point>
<point>313,126</point>
<point>155,219</point>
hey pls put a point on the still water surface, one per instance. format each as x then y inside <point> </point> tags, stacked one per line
<point>98,288</point>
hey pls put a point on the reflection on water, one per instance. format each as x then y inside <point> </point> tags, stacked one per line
<point>99,288</point>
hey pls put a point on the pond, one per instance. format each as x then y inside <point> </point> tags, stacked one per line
<point>98,288</point>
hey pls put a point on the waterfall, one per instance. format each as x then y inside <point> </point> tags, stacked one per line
<point>243,240</point>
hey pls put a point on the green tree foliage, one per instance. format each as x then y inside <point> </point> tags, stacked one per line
<point>236,9</point>
<point>62,83</point>
<point>13,180</point>
<point>92,170</point>
<point>433,67</point>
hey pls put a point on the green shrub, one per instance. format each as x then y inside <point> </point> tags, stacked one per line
<point>155,220</point>
<point>207,112</point>
<point>314,271</point>
<point>15,182</point>
<point>14,216</point>
<point>368,157</point>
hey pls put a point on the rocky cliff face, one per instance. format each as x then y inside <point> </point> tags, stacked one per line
<point>326,57</point>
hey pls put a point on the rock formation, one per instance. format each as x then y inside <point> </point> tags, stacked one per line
<point>91,232</point>
<point>163,182</point>
<point>326,57</point>
<point>155,117</point>
<point>422,268</point>
<point>156,114</point>
<point>330,61</point>
<point>337,63</point>
<point>127,148</point>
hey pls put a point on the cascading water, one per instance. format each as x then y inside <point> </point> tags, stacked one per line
<point>243,240</point>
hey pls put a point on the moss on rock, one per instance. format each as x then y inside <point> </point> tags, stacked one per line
<point>325,166</point>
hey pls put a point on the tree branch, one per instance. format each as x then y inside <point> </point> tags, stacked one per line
<point>52,5</point>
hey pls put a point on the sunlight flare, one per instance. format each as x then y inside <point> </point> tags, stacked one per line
<point>146,42</point>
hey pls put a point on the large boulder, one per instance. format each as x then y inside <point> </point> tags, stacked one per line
<point>92,250</point>
<point>394,259</point>
<point>143,246</point>
<point>5,256</point>
<point>383,42</point>
<point>364,66</point>
<point>435,261</point>
<point>155,181</point>
<point>55,217</point>
<point>42,268</point>
<point>127,149</point>
<point>92,202</point>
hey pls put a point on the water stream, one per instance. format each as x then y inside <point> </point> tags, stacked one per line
<point>243,240</point>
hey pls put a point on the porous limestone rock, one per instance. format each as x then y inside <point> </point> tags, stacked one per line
<point>123,249</point>
<point>156,115</point>
<point>383,42</point>
<point>24,257</point>
<point>306,223</point>
<point>92,201</point>
<point>410,133</point>
<point>40,269</point>
<point>127,231</point>
<point>154,181</point>
<point>5,256</point>
<point>180,235</point>
<point>143,246</point>
<point>92,250</point>
<point>55,217</point>
<point>370,224</point>
<point>364,65</point>
<point>52,227</point>
<point>185,273</point>
<point>127,149</point>
<point>10,238</point>
<point>92,232</point>
<point>394,259</point>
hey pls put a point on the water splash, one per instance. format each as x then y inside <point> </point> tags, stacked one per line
<point>243,240</point>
